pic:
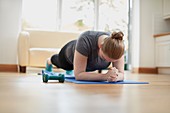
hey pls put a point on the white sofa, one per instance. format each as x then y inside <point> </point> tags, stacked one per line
<point>34,47</point>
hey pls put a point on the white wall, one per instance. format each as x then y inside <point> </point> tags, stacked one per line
<point>135,35</point>
<point>145,24</point>
<point>10,16</point>
<point>147,11</point>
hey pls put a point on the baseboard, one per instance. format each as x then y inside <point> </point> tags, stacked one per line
<point>164,70</point>
<point>8,68</point>
<point>145,70</point>
<point>135,70</point>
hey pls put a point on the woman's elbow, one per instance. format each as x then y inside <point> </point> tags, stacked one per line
<point>77,76</point>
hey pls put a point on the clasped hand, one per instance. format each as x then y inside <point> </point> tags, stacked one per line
<point>112,74</point>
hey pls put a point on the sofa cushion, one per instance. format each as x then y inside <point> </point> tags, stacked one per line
<point>38,56</point>
<point>50,39</point>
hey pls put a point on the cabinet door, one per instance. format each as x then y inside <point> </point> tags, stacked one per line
<point>166,9</point>
<point>163,54</point>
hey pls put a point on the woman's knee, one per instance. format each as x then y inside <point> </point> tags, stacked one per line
<point>54,60</point>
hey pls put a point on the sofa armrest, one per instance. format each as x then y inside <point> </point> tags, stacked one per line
<point>23,47</point>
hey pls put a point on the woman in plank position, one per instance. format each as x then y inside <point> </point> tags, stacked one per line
<point>93,50</point>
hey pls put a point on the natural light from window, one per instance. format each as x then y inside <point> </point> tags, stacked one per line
<point>75,15</point>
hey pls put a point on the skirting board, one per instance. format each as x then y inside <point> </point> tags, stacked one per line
<point>164,70</point>
<point>145,70</point>
<point>8,68</point>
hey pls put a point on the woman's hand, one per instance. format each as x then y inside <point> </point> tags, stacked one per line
<point>112,74</point>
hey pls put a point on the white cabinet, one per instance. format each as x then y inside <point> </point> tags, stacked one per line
<point>166,9</point>
<point>163,51</point>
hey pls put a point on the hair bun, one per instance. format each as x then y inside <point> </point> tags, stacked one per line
<point>117,35</point>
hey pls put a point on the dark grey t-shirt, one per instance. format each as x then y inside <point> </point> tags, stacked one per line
<point>87,45</point>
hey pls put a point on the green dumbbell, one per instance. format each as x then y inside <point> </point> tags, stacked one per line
<point>59,77</point>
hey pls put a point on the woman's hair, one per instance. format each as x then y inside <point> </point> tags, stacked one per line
<point>113,46</point>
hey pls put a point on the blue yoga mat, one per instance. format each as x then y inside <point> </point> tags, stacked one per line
<point>71,78</point>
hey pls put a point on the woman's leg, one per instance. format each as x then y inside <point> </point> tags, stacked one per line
<point>49,66</point>
<point>54,60</point>
<point>60,60</point>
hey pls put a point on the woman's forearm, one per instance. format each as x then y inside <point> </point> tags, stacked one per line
<point>91,76</point>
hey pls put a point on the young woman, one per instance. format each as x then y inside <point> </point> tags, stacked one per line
<point>93,50</point>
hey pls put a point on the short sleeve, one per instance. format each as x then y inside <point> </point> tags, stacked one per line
<point>82,46</point>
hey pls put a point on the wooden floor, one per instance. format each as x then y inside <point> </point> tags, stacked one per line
<point>26,93</point>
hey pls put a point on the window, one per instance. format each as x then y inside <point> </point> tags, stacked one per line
<point>39,14</point>
<point>76,15</point>
<point>113,15</point>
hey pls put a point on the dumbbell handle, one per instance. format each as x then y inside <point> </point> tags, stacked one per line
<point>53,77</point>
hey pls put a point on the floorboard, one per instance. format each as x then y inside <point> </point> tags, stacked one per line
<point>26,93</point>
